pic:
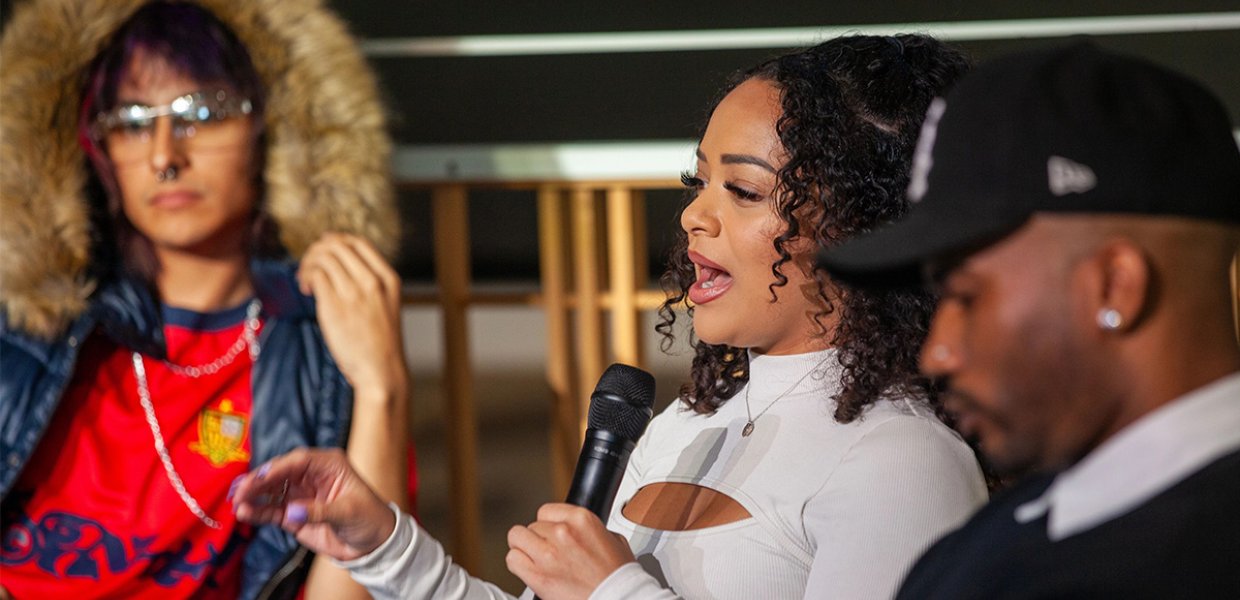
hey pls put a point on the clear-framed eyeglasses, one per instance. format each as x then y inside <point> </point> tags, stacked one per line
<point>204,120</point>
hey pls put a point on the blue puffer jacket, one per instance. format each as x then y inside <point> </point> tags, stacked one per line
<point>300,397</point>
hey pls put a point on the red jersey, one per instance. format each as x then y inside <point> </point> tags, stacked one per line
<point>94,514</point>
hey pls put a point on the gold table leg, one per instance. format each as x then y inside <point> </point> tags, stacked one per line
<point>451,237</point>
<point>621,250</point>
<point>586,270</point>
<point>554,277</point>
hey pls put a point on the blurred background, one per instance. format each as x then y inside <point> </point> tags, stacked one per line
<point>504,95</point>
<point>439,96</point>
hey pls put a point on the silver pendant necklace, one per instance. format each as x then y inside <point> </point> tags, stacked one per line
<point>248,338</point>
<point>749,424</point>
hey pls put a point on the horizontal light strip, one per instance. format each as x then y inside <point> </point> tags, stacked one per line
<point>576,161</point>
<point>785,37</point>
<point>644,161</point>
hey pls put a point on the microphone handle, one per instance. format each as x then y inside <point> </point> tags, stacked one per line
<point>600,468</point>
<point>604,455</point>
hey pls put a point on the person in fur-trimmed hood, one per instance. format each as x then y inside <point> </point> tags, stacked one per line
<point>162,166</point>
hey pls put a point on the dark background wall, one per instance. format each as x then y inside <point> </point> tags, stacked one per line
<point>659,95</point>
<point>664,94</point>
<point>655,95</point>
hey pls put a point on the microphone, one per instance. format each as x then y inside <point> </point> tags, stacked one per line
<point>620,409</point>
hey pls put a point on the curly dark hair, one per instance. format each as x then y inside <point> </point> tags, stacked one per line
<point>852,110</point>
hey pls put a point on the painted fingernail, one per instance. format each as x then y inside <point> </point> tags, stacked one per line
<point>295,514</point>
<point>232,488</point>
<point>263,470</point>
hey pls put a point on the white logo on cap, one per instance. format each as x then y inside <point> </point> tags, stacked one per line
<point>1068,176</point>
<point>922,161</point>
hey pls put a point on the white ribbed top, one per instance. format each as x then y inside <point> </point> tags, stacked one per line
<point>838,510</point>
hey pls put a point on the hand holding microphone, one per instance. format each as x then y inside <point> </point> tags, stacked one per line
<point>568,551</point>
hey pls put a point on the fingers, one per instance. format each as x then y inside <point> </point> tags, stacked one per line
<point>320,273</point>
<point>297,514</point>
<point>561,511</point>
<point>578,517</point>
<point>519,564</point>
<point>377,264</point>
<point>520,542</point>
<point>526,550</point>
<point>358,311</point>
<point>307,512</point>
<point>543,539</point>
<point>315,494</point>
<point>258,513</point>
<point>526,541</point>
<point>348,266</point>
<point>259,496</point>
<point>565,553</point>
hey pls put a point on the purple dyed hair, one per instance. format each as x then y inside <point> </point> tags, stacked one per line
<point>194,42</point>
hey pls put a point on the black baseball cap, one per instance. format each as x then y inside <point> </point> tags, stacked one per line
<point>1071,129</point>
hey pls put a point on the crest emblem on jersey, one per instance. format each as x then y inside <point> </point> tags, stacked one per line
<point>221,435</point>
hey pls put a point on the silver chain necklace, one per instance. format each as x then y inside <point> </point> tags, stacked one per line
<point>748,429</point>
<point>248,338</point>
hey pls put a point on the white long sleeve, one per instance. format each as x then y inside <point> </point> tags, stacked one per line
<point>412,565</point>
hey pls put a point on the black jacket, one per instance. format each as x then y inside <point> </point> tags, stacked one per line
<point>1182,543</point>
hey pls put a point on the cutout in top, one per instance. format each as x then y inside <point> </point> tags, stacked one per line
<point>674,506</point>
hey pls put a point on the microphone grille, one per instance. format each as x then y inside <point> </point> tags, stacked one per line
<point>623,401</point>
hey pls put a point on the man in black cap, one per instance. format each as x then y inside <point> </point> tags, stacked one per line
<point>1079,211</point>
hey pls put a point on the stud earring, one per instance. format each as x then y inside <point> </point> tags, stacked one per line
<point>1109,319</point>
<point>940,352</point>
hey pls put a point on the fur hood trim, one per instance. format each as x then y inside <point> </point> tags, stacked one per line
<point>328,151</point>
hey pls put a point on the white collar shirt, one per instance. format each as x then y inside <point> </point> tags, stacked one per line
<point>1143,460</point>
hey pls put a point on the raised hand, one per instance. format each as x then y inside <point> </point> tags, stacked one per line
<point>317,496</point>
<point>566,553</point>
<point>358,304</point>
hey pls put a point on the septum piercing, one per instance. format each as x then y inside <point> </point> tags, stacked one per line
<point>168,174</point>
